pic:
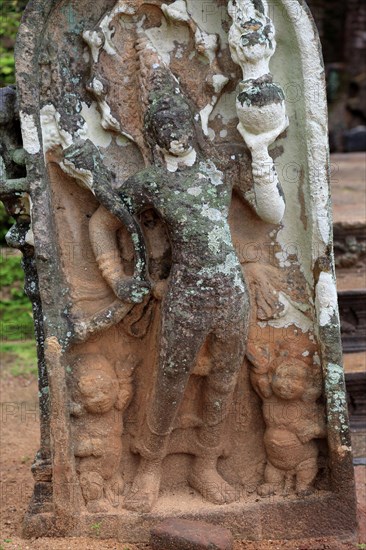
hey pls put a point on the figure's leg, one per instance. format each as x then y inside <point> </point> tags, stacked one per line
<point>113,489</point>
<point>305,475</point>
<point>91,484</point>
<point>179,350</point>
<point>227,352</point>
<point>273,481</point>
<point>288,483</point>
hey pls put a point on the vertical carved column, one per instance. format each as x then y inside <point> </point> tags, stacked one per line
<point>14,187</point>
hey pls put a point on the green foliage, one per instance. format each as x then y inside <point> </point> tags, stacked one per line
<point>96,527</point>
<point>16,320</point>
<point>6,222</point>
<point>19,358</point>
<point>10,16</point>
<point>11,270</point>
<point>17,345</point>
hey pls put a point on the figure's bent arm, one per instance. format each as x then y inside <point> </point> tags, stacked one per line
<point>269,201</point>
<point>103,227</point>
<point>83,161</point>
<point>266,197</point>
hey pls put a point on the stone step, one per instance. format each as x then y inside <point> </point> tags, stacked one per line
<point>348,177</point>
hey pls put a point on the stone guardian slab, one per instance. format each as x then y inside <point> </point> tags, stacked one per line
<point>177,168</point>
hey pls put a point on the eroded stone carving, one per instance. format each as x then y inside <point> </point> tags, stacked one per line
<point>260,103</point>
<point>98,401</point>
<point>190,195</point>
<point>182,300</point>
<point>293,420</point>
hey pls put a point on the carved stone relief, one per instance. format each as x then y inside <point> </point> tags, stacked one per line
<point>186,280</point>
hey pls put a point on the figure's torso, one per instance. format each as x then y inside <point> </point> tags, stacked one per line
<point>194,203</point>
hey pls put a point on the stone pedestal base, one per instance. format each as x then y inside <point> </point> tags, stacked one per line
<point>320,515</point>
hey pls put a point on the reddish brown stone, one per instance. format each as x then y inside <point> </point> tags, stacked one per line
<point>183,534</point>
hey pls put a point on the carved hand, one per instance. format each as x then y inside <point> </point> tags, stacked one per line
<point>132,290</point>
<point>76,409</point>
<point>311,430</point>
<point>124,397</point>
<point>83,449</point>
<point>97,447</point>
<point>159,289</point>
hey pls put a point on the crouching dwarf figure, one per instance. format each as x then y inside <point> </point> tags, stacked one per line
<point>293,421</point>
<point>206,300</point>
<point>98,402</point>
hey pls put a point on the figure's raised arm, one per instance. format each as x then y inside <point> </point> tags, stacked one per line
<point>269,200</point>
<point>260,103</point>
<point>103,228</point>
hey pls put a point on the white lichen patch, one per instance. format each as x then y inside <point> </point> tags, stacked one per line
<point>230,267</point>
<point>85,177</point>
<point>209,17</point>
<point>321,200</point>
<point>211,213</point>
<point>95,42</point>
<point>326,298</point>
<point>123,141</point>
<point>292,313</point>
<point>204,114</point>
<point>270,205</point>
<point>166,38</point>
<point>207,44</point>
<point>195,191</point>
<point>95,131</point>
<point>2,169</point>
<point>29,237</point>
<point>209,169</point>
<point>179,53</point>
<point>52,133</point>
<point>225,108</point>
<point>108,121</point>
<point>173,161</point>
<point>29,133</point>
<point>217,237</point>
<point>211,134</point>
<point>177,11</point>
<point>219,81</point>
<point>337,404</point>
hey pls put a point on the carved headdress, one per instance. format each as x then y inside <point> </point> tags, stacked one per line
<point>160,92</point>
<point>251,36</point>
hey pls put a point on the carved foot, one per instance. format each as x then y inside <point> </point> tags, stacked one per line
<point>304,491</point>
<point>113,490</point>
<point>145,488</point>
<point>207,481</point>
<point>266,490</point>
<point>97,506</point>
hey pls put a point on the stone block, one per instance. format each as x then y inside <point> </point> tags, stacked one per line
<point>182,534</point>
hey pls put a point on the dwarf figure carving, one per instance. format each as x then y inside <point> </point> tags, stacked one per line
<point>98,402</point>
<point>293,420</point>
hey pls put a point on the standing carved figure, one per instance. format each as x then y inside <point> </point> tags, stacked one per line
<point>206,300</point>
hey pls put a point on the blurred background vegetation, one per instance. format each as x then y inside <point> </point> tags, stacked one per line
<point>10,15</point>
<point>17,346</point>
<point>341,25</point>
